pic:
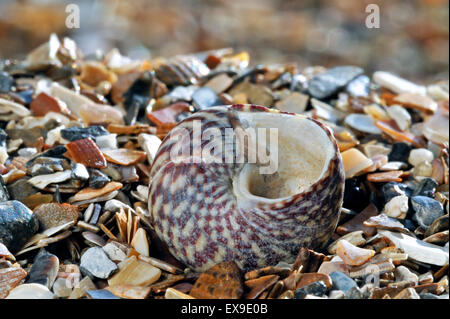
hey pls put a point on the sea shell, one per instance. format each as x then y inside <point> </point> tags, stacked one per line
<point>208,212</point>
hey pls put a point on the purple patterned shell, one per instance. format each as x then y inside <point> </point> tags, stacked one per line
<point>195,212</point>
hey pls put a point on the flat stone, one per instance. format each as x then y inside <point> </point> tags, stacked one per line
<point>78,133</point>
<point>21,189</point>
<point>115,251</point>
<point>219,83</point>
<point>294,103</point>
<point>363,123</point>
<point>328,83</point>
<point>44,270</point>
<point>342,282</point>
<point>427,210</point>
<point>17,224</point>
<point>55,214</point>
<point>96,263</point>
<point>383,221</point>
<point>417,249</point>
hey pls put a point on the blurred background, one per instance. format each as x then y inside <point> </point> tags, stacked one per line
<point>413,39</point>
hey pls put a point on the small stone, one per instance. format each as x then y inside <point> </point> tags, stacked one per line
<point>383,221</point>
<point>353,293</point>
<point>397,207</point>
<point>30,291</point>
<point>79,133</point>
<point>336,294</point>
<point>427,187</point>
<point>44,270</point>
<point>55,214</point>
<point>6,82</point>
<point>419,155</point>
<point>360,86</point>
<point>393,189</point>
<point>427,210</point>
<point>93,239</point>
<point>204,98</point>
<point>96,263</point>
<point>115,251</point>
<point>61,288</point>
<point>342,282</point>
<point>317,288</point>
<point>400,152</point>
<point>4,195</point>
<point>401,116</point>
<point>17,224</point>
<point>328,83</point>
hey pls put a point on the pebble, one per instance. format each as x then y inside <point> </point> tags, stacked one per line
<point>95,262</point>
<point>116,252</point>
<point>427,210</point>
<point>326,84</point>
<point>342,282</point>
<point>44,269</point>
<point>204,98</point>
<point>424,169</point>
<point>6,82</point>
<point>402,273</point>
<point>317,288</point>
<point>360,86</point>
<point>397,207</point>
<point>55,214</point>
<point>426,187</point>
<point>79,133</point>
<point>17,224</point>
<point>336,294</point>
<point>419,155</point>
<point>220,83</point>
<point>400,152</point>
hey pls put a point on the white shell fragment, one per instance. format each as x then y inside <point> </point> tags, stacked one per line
<point>41,181</point>
<point>418,249</point>
<point>397,84</point>
<point>362,123</point>
<point>30,291</point>
<point>400,116</point>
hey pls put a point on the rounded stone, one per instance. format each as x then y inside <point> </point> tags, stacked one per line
<point>427,210</point>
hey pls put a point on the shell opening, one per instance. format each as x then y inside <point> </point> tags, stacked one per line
<point>302,157</point>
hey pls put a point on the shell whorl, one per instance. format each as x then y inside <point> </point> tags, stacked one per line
<point>195,212</point>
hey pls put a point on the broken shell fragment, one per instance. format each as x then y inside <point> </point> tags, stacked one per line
<point>355,162</point>
<point>249,194</point>
<point>86,152</point>
<point>352,255</point>
<point>135,272</point>
<point>124,156</point>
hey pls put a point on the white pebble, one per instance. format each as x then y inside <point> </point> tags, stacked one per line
<point>420,155</point>
<point>397,207</point>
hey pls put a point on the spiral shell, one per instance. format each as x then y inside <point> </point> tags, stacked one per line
<point>208,212</point>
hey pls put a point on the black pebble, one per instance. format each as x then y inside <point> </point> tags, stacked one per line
<point>400,152</point>
<point>78,133</point>
<point>427,187</point>
<point>355,196</point>
<point>327,84</point>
